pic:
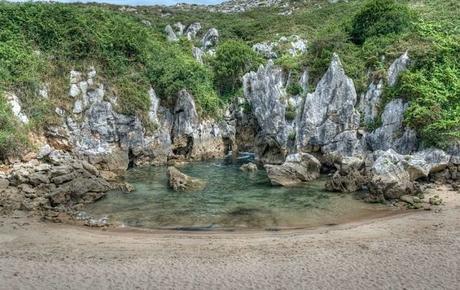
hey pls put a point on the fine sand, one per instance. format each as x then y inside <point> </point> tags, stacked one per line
<point>414,250</point>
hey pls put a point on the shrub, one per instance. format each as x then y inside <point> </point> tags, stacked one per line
<point>379,17</point>
<point>12,138</point>
<point>432,86</point>
<point>233,59</point>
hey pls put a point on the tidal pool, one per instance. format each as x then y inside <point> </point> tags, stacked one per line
<point>231,200</point>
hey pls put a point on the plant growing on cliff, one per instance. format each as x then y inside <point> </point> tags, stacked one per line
<point>233,59</point>
<point>12,137</point>
<point>378,18</point>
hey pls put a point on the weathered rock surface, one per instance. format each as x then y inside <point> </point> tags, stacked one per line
<point>265,92</point>
<point>297,168</point>
<point>392,134</point>
<point>210,39</point>
<point>192,30</point>
<point>329,112</point>
<point>15,104</point>
<point>179,181</point>
<point>370,102</point>
<point>56,181</point>
<point>170,34</point>
<point>390,179</point>
<point>396,68</point>
<point>350,175</point>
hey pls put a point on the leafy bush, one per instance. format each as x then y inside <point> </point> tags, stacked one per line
<point>233,59</point>
<point>432,86</point>
<point>11,138</point>
<point>377,18</point>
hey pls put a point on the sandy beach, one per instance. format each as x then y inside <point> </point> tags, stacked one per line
<point>415,250</point>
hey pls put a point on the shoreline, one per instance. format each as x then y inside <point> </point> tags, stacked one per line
<point>413,250</point>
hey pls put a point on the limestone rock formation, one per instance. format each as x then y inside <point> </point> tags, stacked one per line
<point>350,175</point>
<point>170,35</point>
<point>210,39</point>
<point>329,112</point>
<point>392,133</point>
<point>398,66</point>
<point>57,179</point>
<point>192,30</point>
<point>179,181</point>
<point>370,102</point>
<point>265,92</point>
<point>15,104</point>
<point>390,179</point>
<point>297,168</point>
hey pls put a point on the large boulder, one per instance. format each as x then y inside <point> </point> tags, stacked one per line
<point>265,92</point>
<point>392,134</point>
<point>426,162</point>
<point>297,169</point>
<point>389,177</point>
<point>350,175</point>
<point>179,181</point>
<point>330,111</point>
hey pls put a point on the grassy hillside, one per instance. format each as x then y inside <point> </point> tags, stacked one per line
<point>40,43</point>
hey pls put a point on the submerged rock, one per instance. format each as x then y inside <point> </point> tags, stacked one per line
<point>249,167</point>
<point>265,92</point>
<point>179,181</point>
<point>298,168</point>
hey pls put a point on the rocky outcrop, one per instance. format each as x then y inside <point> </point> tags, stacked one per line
<point>392,134</point>
<point>370,102</point>
<point>15,104</point>
<point>192,30</point>
<point>170,34</point>
<point>179,181</point>
<point>57,181</point>
<point>396,68</point>
<point>351,175</point>
<point>297,168</point>
<point>210,39</point>
<point>389,179</point>
<point>329,120</point>
<point>96,132</point>
<point>426,162</point>
<point>198,54</point>
<point>292,45</point>
<point>265,92</point>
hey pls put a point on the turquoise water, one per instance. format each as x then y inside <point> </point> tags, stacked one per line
<point>232,199</point>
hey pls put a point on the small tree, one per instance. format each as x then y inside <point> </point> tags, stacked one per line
<point>379,17</point>
<point>233,59</point>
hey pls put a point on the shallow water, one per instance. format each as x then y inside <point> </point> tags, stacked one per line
<point>232,199</point>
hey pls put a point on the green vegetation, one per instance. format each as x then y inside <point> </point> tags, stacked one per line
<point>40,43</point>
<point>11,139</point>
<point>378,18</point>
<point>233,59</point>
<point>433,87</point>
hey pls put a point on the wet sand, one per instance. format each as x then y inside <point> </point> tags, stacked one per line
<point>414,250</point>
